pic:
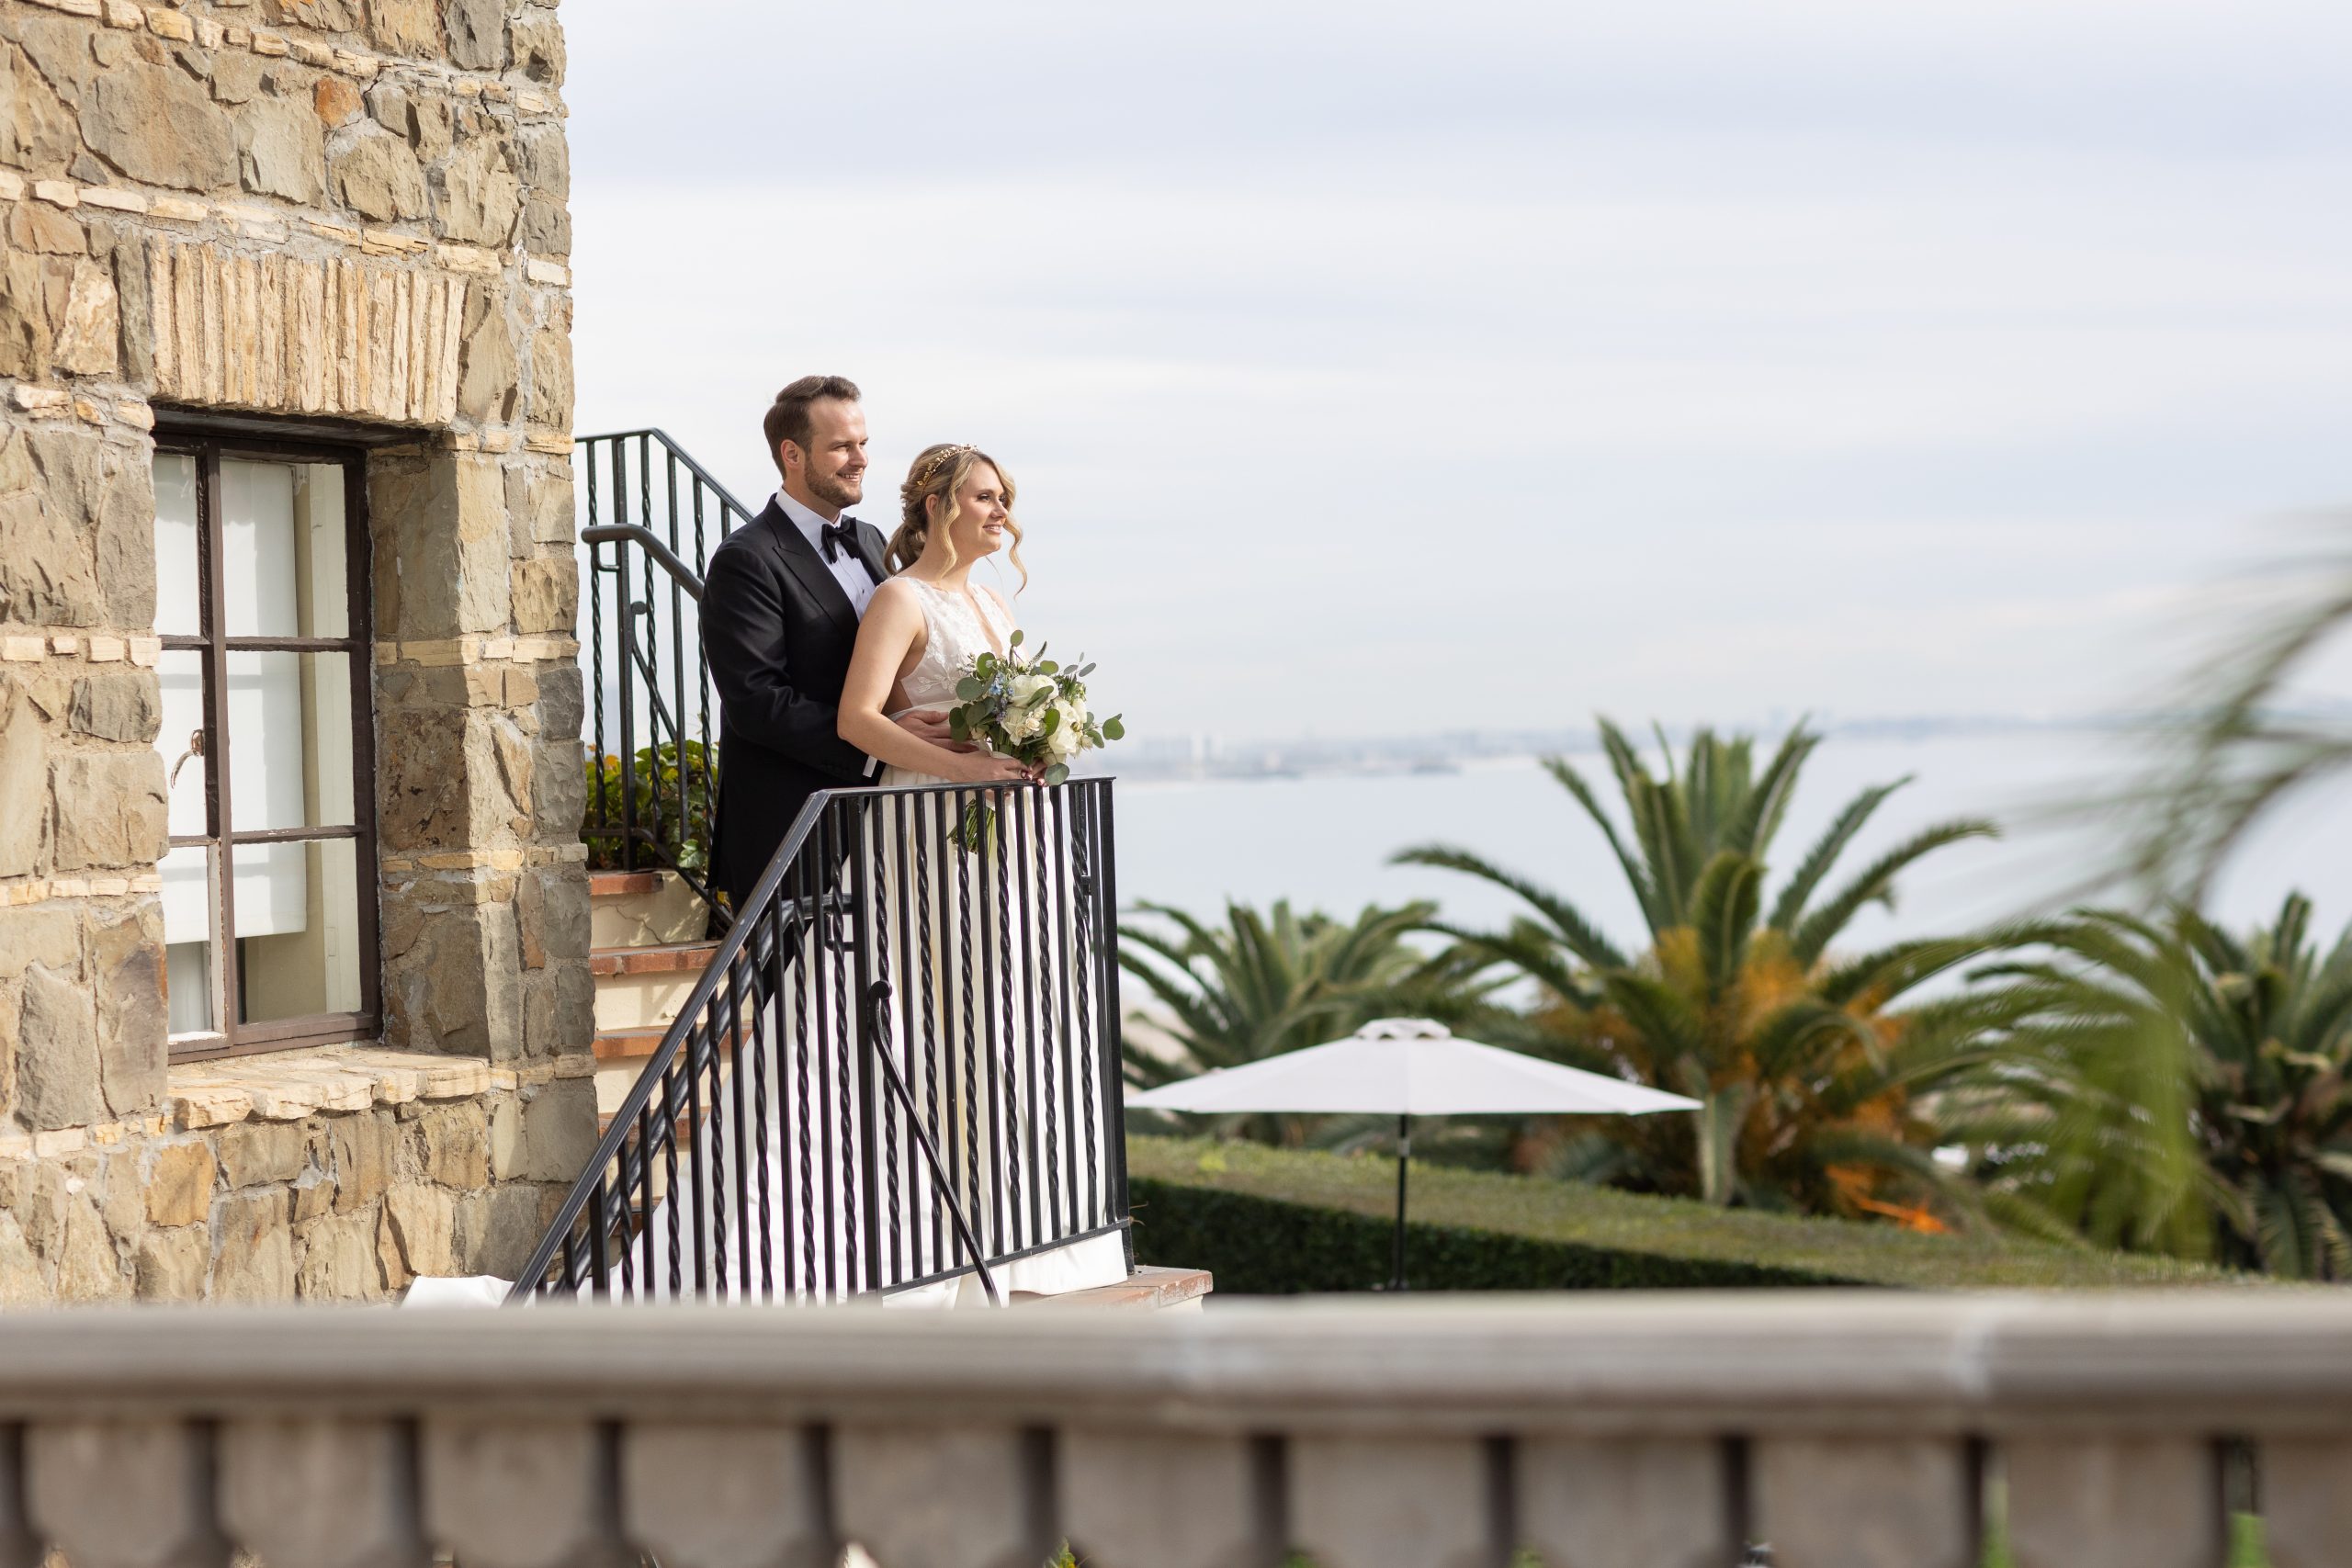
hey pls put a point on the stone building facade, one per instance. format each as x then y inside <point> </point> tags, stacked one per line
<point>284,325</point>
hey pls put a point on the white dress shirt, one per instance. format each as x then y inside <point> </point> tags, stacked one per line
<point>848,570</point>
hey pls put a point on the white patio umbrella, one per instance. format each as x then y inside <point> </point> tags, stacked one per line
<point>1406,1067</point>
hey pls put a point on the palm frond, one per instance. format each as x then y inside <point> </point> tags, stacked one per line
<point>1789,907</point>
<point>1875,884</point>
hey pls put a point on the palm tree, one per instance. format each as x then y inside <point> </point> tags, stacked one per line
<point>2243,749</point>
<point>2176,1089</point>
<point>1810,1082</point>
<point>1262,983</point>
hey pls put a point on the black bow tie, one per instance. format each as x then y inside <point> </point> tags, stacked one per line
<point>844,533</point>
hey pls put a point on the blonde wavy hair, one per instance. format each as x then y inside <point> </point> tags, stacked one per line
<point>941,471</point>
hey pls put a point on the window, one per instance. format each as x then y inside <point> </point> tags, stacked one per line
<point>269,886</point>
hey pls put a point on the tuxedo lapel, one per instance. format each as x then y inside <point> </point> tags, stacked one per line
<point>817,579</point>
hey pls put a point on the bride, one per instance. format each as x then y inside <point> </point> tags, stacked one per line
<point>919,635</point>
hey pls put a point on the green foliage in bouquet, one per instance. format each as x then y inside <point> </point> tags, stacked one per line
<point>675,790</point>
<point>1031,708</point>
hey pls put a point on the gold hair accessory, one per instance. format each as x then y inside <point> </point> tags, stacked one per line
<point>936,461</point>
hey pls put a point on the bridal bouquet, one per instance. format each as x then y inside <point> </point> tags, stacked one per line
<point>1030,708</point>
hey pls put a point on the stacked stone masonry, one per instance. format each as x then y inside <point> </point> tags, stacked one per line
<point>350,213</point>
<point>330,1176</point>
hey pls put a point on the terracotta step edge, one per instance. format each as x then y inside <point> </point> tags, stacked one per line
<point>654,958</point>
<point>626,1044</point>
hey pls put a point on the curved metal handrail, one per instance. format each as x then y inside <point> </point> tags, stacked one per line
<point>645,539</point>
<point>656,434</point>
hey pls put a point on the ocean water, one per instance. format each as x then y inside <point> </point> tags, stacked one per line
<point>1324,840</point>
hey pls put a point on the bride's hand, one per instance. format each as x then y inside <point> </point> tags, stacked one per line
<point>986,767</point>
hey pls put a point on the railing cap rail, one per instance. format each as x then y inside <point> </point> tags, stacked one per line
<point>2257,1361</point>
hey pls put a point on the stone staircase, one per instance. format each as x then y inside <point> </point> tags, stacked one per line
<point>646,951</point>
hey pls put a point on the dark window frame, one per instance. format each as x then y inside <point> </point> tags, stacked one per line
<point>229,1037</point>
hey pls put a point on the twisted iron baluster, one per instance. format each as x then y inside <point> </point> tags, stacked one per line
<point>927,974</point>
<point>1081,841</point>
<point>716,1116</point>
<point>669,1172</point>
<point>850,1226</point>
<point>760,1090</point>
<point>873,889</point>
<point>809,958</point>
<point>971,1023</point>
<point>628,1242</point>
<point>1048,987</point>
<point>1011,1152</point>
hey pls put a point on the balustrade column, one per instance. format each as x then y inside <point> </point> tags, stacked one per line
<point>2080,1500</point>
<point>523,1494</point>
<point>1165,1500</point>
<point>2307,1502</point>
<point>944,1496</point>
<point>699,1494</point>
<point>1605,1502</point>
<point>1393,1502</point>
<point>322,1493</point>
<point>1866,1502</point>
<point>125,1492</point>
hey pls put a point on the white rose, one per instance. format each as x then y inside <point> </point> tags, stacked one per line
<point>1025,688</point>
<point>1020,723</point>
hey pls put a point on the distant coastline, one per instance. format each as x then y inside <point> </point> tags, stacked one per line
<point>1200,757</point>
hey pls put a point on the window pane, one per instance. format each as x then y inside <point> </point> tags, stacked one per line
<point>179,569</point>
<point>290,740</point>
<point>298,934</point>
<point>180,737</point>
<point>282,549</point>
<point>187,939</point>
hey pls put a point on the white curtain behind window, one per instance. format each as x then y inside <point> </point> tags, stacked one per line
<point>264,717</point>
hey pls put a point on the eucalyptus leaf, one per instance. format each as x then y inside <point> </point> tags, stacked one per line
<point>1058,773</point>
<point>1014,641</point>
<point>1114,729</point>
<point>970,688</point>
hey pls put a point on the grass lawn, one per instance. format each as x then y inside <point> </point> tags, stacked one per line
<point>1636,1240</point>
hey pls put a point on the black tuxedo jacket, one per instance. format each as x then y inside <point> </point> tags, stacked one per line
<point>778,631</point>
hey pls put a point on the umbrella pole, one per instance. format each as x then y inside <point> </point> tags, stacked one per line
<point>1404,1160</point>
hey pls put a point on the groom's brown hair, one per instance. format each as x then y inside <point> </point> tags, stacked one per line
<point>787,417</point>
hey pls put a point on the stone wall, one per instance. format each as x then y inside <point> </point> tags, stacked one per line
<point>349,213</point>
<point>328,1175</point>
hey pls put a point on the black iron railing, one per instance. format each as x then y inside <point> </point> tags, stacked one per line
<point>653,515</point>
<point>901,1066</point>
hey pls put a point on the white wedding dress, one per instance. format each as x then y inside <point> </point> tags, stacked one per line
<point>1014,1107</point>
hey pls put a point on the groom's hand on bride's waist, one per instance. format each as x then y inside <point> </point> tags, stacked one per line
<point>930,724</point>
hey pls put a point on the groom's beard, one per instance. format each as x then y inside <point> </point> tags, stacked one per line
<point>838,490</point>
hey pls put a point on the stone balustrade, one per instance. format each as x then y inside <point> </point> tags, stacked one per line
<point>1851,1431</point>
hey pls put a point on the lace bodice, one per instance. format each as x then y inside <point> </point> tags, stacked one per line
<point>954,633</point>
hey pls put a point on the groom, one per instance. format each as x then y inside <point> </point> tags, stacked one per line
<point>781,602</point>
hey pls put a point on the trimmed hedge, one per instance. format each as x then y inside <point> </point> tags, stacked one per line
<point>1281,1221</point>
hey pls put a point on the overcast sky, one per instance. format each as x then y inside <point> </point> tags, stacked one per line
<point>1381,368</point>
